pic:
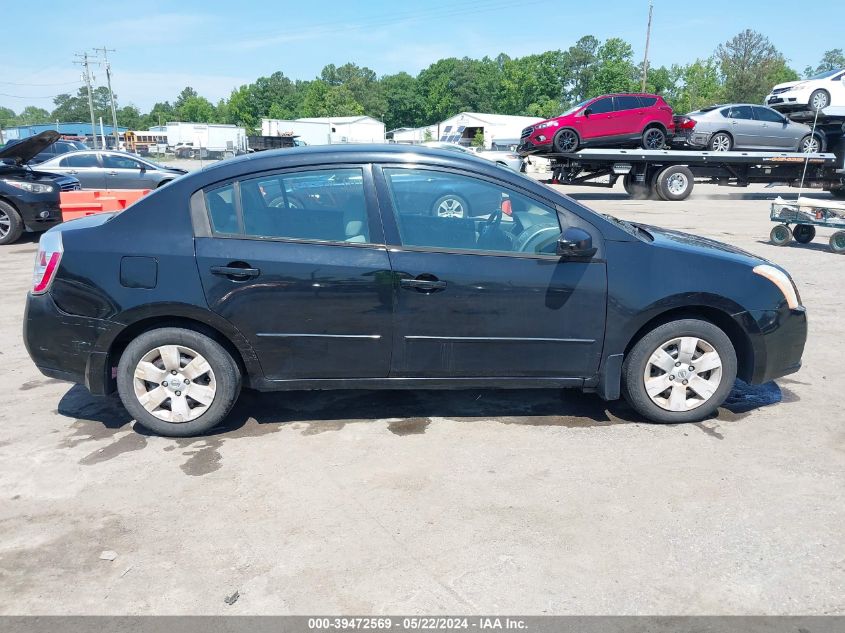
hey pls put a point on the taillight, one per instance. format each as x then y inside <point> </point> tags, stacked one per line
<point>46,261</point>
<point>684,123</point>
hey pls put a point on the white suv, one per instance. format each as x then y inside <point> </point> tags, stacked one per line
<point>817,92</point>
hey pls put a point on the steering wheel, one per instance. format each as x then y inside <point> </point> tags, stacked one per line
<point>493,221</point>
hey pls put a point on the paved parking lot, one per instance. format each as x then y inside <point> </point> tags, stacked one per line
<point>439,502</point>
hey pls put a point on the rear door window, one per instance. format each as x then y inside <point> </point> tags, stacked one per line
<point>115,161</point>
<point>627,102</point>
<point>80,160</point>
<point>648,101</point>
<point>326,205</point>
<point>740,112</point>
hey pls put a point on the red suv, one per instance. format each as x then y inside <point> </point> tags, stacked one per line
<point>606,121</point>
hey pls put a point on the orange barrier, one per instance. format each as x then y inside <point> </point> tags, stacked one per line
<point>78,204</point>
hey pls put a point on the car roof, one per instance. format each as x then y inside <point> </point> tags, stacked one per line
<point>369,152</point>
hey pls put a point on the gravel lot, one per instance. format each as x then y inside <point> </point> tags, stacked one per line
<point>477,501</point>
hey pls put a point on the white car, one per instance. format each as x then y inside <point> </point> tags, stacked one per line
<point>816,93</point>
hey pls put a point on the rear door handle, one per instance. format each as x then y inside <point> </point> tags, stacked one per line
<point>72,171</point>
<point>423,285</point>
<point>112,173</point>
<point>236,273</point>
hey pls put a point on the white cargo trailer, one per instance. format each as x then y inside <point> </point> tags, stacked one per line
<point>205,140</point>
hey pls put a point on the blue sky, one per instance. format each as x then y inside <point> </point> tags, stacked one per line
<point>216,45</point>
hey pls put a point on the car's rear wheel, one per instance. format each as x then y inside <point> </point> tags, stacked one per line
<point>653,138</point>
<point>804,233</point>
<point>810,144</point>
<point>674,183</point>
<point>177,382</point>
<point>11,224</point>
<point>720,142</point>
<point>450,206</point>
<point>819,99</point>
<point>566,141</point>
<point>681,371</point>
<point>838,192</point>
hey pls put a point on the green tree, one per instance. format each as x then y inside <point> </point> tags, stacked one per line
<point>130,117</point>
<point>478,139</point>
<point>197,110</point>
<point>323,100</point>
<point>362,82</point>
<point>70,108</point>
<point>831,60</point>
<point>615,71</point>
<point>579,67</point>
<point>7,117</point>
<point>187,93</point>
<point>403,103</point>
<point>700,85</point>
<point>31,115</point>
<point>751,65</point>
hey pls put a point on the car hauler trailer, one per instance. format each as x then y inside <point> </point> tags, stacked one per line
<point>671,174</point>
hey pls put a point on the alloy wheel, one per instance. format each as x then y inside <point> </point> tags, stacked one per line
<point>174,383</point>
<point>810,145</point>
<point>654,139</point>
<point>450,208</point>
<point>5,224</point>
<point>683,373</point>
<point>721,143</point>
<point>567,141</point>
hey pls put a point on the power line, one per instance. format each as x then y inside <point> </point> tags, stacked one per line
<point>63,83</point>
<point>3,94</point>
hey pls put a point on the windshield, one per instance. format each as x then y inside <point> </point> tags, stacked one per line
<point>825,75</point>
<point>575,108</point>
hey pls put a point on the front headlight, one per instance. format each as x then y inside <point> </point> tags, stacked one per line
<point>782,281</point>
<point>546,124</point>
<point>32,187</point>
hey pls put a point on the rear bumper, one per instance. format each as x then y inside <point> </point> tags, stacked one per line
<point>778,343</point>
<point>62,345</point>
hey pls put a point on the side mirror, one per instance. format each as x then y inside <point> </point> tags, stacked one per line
<point>575,242</point>
<point>588,112</point>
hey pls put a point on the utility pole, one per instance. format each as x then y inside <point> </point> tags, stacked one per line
<point>87,76</point>
<point>111,94</point>
<point>647,39</point>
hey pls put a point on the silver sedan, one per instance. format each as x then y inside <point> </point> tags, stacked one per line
<point>743,126</point>
<point>111,170</point>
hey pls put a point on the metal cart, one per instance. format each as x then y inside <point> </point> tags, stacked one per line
<point>806,214</point>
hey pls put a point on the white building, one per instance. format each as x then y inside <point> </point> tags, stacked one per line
<point>463,127</point>
<point>216,137</point>
<point>327,130</point>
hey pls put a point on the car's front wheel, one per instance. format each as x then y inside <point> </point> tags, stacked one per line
<point>681,371</point>
<point>11,224</point>
<point>177,382</point>
<point>810,144</point>
<point>566,141</point>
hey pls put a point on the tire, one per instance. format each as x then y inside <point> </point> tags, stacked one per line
<point>819,99</point>
<point>691,394</point>
<point>566,141</point>
<point>653,138</point>
<point>637,190</point>
<point>11,224</point>
<point>674,183</point>
<point>192,154</point>
<point>450,206</point>
<point>838,193</point>
<point>781,235</point>
<point>222,381</point>
<point>720,142</point>
<point>804,233</point>
<point>810,145</point>
<point>837,242</point>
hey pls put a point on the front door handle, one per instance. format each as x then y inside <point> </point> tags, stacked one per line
<point>112,173</point>
<point>235,273</point>
<point>72,171</point>
<point>423,284</point>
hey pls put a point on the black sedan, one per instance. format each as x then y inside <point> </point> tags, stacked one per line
<point>29,199</point>
<point>328,267</point>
